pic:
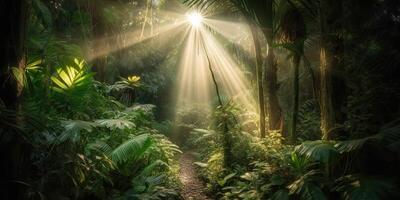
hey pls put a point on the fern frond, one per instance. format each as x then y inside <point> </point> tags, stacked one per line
<point>116,123</point>
<point>100,146</point>
<point>132,149</point>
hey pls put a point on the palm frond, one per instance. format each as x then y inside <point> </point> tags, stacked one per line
<point>116,123</point>
<point>72,78</point>
<point>319,150</point>
<point>132,149</point>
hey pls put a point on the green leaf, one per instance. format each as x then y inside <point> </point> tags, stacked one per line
<point>69,79</point>
<point>132,149</point>
<point>73,128</point>
<point>306,187</point>
<point>226,178</point>
<point>116,123</point>
<point>150,168</point>
<point>34,64</point>
<point>319,150</point>
<point>100,146</point>
<point>200,164</point>
<point>356,186</point>
<point>282,194</point>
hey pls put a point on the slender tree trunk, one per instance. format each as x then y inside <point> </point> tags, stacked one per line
<point>295,111</point>
<point>332,85</point>
<point>259,71</point>
<point>227,139</point>
<point>13,15</point>
<point>99,33</point>
<point>273,108</point>
<point>275,120</point>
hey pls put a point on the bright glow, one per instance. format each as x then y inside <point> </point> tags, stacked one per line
<point>195,86</point>
<point>200,47</point>
<point>195,19</point>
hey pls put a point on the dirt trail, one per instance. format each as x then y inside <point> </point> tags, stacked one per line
<point>193,187</point>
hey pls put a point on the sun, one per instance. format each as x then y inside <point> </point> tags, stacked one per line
<point>195,19</point>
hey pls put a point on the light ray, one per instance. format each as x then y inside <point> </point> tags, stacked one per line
<point>236,32</point>
<point>232,80</point>
<point>195,83</point>
<point>131,39</point>
<point>193,78</point>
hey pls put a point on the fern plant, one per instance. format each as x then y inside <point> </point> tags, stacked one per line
<point>132,149</point>
<point>72,78</point>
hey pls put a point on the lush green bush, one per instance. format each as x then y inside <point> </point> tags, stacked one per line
<point>86,144</point>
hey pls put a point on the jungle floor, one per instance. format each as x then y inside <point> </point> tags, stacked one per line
<point>193,188</point>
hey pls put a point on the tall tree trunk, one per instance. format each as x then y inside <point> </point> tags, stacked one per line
<point>99,33</point>
<point>296,65</point>
<point>13,15</point>
<point>259,71</point>
<point>271,82</point>
<point>332,84</point>
<point>271,68</point>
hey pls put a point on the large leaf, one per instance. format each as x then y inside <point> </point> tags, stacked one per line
<point>322,151</point>
<point>306,187</point>
<point>132,149</point>
<point>282,194</point>
<point>355,186</point>
<point>73,128</point>
<point>226,179</point>
<point>389,135</point>
<point>71,78</point>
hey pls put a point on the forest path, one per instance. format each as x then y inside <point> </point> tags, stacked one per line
<point>193,188</point>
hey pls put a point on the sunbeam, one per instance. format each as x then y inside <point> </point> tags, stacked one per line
<point>194,77</point>
<point>132,38</point>
<point>235,32</point>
